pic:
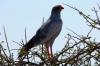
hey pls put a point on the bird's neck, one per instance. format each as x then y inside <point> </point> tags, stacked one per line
<point>55,15</point>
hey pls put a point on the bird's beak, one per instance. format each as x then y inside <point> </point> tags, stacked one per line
<point>62,8</point>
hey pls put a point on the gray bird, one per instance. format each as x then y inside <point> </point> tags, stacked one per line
<point>47,33</point>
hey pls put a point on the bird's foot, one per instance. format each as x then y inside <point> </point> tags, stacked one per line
<point>52,59</point>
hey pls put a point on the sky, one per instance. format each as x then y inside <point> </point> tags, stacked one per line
<point>16,15</point>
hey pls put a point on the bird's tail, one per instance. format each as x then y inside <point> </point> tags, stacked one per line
<point>32,43</point>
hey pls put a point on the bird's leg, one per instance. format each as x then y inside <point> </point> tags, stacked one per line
<point>47,49</point>
<point>51,53</point>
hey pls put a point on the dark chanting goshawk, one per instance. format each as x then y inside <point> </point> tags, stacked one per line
<point>47,33</point>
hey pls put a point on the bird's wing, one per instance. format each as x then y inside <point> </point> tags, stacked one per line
<point>49,29</point>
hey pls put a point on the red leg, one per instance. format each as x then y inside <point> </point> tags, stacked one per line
<point>47,48</point>
<point>51,53</point>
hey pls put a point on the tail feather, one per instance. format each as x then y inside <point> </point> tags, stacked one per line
<point>32,43</point>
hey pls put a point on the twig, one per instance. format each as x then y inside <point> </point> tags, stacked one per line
<point>73,32</point>
<point>89,32</point>
<point>98,5</point>
<point>97,16</point>
<point>6,57</point>
<point>25,36</point>
<point>7,42</point>
<point>17,43</point>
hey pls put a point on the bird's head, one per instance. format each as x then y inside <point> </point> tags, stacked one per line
<point>57,8</point>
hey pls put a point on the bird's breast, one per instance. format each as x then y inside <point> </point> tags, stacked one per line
<point>55,29</point>
<point>51,30</point>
